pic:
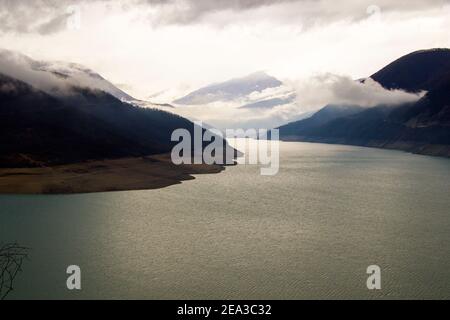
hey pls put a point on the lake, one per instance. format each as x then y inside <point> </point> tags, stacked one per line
<point>310,231</point>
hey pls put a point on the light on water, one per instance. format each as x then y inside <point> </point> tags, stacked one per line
<point>310,231</point>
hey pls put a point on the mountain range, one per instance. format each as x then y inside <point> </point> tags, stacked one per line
<point>420,127</point>
<point>59,113</point>
<point>64,113</point>
<point>254,91</point>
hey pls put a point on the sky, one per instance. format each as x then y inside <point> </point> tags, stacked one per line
<point>146,46</point>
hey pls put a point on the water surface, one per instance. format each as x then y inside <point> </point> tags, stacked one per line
<point>308,232</point>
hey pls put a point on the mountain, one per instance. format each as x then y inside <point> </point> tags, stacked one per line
<point>321,117</point>
<point>45,125</point>
<point>78,74</point>
<point>230,90</point>
<point>48,76</point>
<point>420,127</point>
<point>270,103</point>
<point>417,71</point>
<point>39,129</point>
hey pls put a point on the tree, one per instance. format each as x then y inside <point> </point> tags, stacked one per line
<point>11,258</point>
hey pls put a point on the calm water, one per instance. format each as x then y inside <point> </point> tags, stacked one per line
<point>308,232</point>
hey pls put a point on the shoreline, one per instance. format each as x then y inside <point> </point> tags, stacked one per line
<point>431,150</point>
<point>124,174</point>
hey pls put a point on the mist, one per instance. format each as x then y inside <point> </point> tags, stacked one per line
<point>26,70</point>
<point>324,89</point>
<point>311,94</point>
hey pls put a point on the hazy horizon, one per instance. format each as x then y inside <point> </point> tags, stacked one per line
<point>162,50</point>
<point>145,47</point>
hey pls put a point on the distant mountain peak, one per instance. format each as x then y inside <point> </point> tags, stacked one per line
<point>230,90</point>
<point>258,75</point>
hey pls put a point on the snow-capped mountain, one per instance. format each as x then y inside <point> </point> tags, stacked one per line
<point>258,100</point>
<point>56,76</point>
<point>80,74</point>
<point>255,91</point>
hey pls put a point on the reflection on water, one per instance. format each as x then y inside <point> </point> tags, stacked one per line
<point>308,232</point>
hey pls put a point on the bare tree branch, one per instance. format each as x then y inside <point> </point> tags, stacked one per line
<point>11,260</point>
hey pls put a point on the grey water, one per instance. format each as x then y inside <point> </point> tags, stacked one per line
<point>308,232</point>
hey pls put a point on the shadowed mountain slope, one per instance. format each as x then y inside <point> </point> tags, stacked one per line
<point>420,127</point>
<point>38,129</point>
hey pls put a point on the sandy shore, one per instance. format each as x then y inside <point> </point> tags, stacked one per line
<point>150,172</point>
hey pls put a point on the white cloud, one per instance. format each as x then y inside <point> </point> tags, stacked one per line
<point>151,48</point>
<point>55,77</point>
<point>25,69</point>
<point>47,16</point>
<point>312,94</point>
<point>324,89</point>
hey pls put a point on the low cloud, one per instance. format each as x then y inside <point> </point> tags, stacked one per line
<point>55,78</point>
<point>26,70</point>
<point>312,94</point>
<point>324,89</point>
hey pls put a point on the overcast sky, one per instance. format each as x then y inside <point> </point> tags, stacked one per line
<point>146,46</point>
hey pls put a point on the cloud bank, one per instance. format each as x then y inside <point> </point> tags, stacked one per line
<point>56,78</point>
<point>27,70</point>
<point>50,16</point>
<point>312,94</point>
<point>328,88</point>
<point>305,12</point>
